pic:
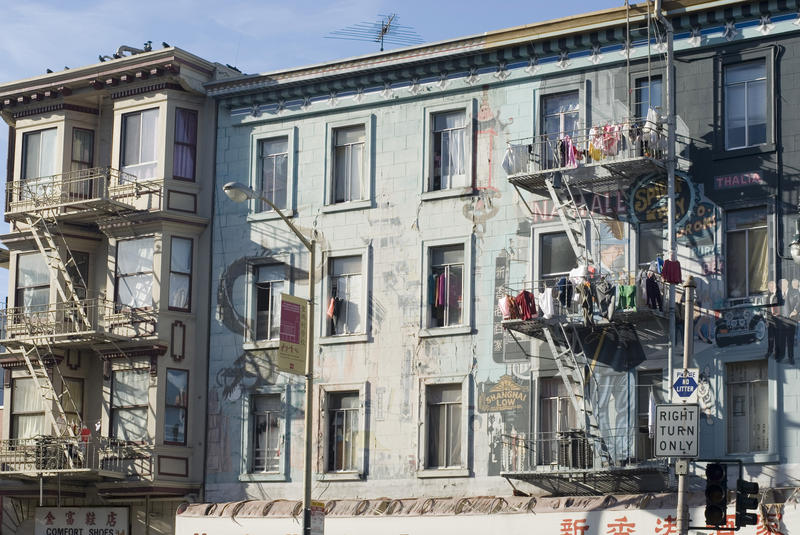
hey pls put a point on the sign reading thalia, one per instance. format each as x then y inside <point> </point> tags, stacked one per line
<point>677,430</point>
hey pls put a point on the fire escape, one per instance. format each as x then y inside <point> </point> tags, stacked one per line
<point>587,459</point>
<point>36,335</point>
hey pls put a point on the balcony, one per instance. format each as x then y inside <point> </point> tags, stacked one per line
<point>62,324</point>
<point>79,194</point>
<point>47,456</point>
<point>591,159</point>
<point>566,462</point>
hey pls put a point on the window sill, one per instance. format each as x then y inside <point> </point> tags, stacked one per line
<point>344,339</point>
<point>254,477</point>
<point>261,344</point>
<point>722,153</point>
<point>346,206</point>
<point>445,331</point>
<point>340,476</point>
<point>268,216</point>
<point>446,193</point>
<point>430,473</point>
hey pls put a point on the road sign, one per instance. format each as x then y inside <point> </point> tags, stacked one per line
<point>685,386</point>
<point>677,430</point>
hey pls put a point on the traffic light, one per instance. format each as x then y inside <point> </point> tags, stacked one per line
<point>716,494</point>
<point>744,501</point>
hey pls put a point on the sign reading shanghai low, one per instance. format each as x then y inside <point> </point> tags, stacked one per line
<point>504,395</point>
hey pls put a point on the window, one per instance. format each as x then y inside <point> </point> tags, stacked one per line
<point>176,406</point>
<point>267,423</point>
<point>27,409</point>
<point>557,418</point>
<point>72,401</point>
<point>39,154</point>
<point>129,404</point>
<point>269,285</point>
<point>348,163</point>
<point>651,242</point>
<point>556,255</point>
<point>746,252</point>
<point>180,274</point>
<point>82,149</point>
<point>134,284</point>
<point>450,150</point>
<point>139,131</point>
<point>443,425</point>
<point>745,104</point>
<point>345,310</point>
<point>33,284</point>
<point>560,114</point>
<point>343,431</point>
<point>273,178</point>
<point>446,287</point>
<point>185,150</point>
<point>647,382</point>
<point>747,405</point>
<point>647,95</point>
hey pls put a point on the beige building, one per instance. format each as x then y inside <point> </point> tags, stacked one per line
<point>109,195</point>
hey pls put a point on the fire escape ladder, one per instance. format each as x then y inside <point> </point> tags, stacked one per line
<point>61,270</point>
<point>569,213</point>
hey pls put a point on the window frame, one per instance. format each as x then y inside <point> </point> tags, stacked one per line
<point>325,337</point>
<point>252,340</point>
<point>190,274</point>
<point>731,57</point>
<point>465,327</point>
<point>463,470</point>
<point>540,411</point>
<point>328,203</point>
<point>192,146</point>
<point>112,409</point>
<point>14,413</point>
<point>152,272</point>
<point>19,300</point>
<point>72,160</point>
<point>246,459</point>
<point>770,261</point>
<point>771,431</point>
<point>645,444</point>
<point>184,408</point>
<point>263,133</point>
<point>158,138</point>
<point>639,84</point>
<point>57,164</point>
<point>426,176</point>
<point>325,390</point>
<point>64,387</point>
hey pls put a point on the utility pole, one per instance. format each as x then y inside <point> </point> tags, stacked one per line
<point>688,347</point>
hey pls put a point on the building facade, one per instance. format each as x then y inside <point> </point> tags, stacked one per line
<point>109,190</point>
<point>439,179</point>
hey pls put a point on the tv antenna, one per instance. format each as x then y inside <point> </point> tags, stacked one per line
<point>386,30</point>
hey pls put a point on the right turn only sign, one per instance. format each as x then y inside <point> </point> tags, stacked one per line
<point>677,430</point>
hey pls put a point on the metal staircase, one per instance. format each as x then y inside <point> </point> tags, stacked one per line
<point>569,213</point>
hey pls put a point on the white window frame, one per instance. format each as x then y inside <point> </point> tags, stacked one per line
<point>263,133</point>
<point>427,194</point>
<point>245,473</point>
<point>57,156</point>
<point>466,320</point>
<point>147,406</point>
<point>725,85</point>
<point>542,442</point>
<point>14,413</point>
<point>363,336</point>
<point>251,303</point>
<point>155,287</point>
<point>770,263</point>
<point>466,415</point>
<point>328,204</point>
<point>158,142</point>
<point>325,390</point>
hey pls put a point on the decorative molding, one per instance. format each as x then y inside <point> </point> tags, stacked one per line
<point>145,89</point>
<point>147,351</point>
<point>55,107</point>
<point>177,342</point>
<point>13,362</point>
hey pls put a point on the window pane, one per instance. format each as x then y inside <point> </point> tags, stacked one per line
<point>452,254</point>
<point>132,133</point>
<point>135,291</point>
<point>454,434</point>
<point>269,402</point>
<point>129,424</point>
<point>25,397</point>
<point>345,265</point>
<point>181,259</point>
<point>135,256</point>
<point>175,425</point>
<point>177,387</point>
<point>735,116</point>
<point>757,264</point>
<point>743,72</point>
<point>351,134</point>
<point>737,268</point>
<point>449,120</point>
<point>129,387</point>
<point>32,145</point>
<point>757,113</point>
<point>557,256</point>
<point>749,218</point>
<point>651,242</point>
<point>49,153</point>
<point>82,148</point>
<point>271,147</point>
<point>75,387</point>
<point>32,270</point>
<point>561,103</point>
<point>455,285</point>
<point>149,129</point>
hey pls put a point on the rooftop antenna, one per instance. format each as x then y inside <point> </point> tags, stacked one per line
<point>386,30</point>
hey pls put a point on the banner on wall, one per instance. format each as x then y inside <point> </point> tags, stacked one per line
<point>81,521</point>
<point>293,335</point>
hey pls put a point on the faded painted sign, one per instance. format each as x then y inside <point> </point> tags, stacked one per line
<point>505,395</point>
<point>739,180</point>
<point>649,199</point>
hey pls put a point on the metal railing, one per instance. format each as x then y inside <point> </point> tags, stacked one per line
<point>74,188</point>
<point>598,145</point>
<point>49,454</point>
<point>546,451</point>
<point>560,291</point>
<point>61,319</point>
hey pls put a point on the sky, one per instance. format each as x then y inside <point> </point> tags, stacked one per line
<point>253,36</point>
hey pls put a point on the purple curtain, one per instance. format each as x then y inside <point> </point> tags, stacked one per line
<point>185,144</point>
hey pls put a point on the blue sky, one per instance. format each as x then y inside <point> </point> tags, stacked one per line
<point>254,36</point>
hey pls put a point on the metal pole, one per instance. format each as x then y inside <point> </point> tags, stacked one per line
<point>688,346</point>
<point>309,394</point>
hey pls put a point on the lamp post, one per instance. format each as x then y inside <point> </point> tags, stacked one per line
<point>238,192</point>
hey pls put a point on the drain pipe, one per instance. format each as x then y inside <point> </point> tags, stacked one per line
<point>682,512</point>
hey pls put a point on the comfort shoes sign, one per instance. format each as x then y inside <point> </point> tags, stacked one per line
<point>82,521</point>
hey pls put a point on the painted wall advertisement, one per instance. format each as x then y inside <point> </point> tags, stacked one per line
<point>81,521</point>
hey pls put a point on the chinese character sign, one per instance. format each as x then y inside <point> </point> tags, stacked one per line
<point>294,328</point>
<point>95,520</point>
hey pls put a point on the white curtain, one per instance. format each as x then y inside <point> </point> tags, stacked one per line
<point>129,404</point>
<point>135,272</point>
<point>139,145</point>
<point>27,407</point>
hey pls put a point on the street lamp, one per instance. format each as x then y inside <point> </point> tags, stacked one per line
<point>239,193</point>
